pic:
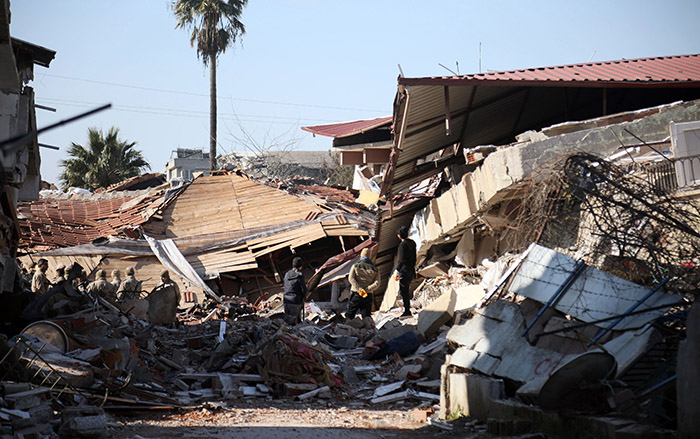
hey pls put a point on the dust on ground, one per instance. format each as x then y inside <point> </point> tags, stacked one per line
<point>288,420</point>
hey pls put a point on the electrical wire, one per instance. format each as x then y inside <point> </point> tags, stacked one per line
<point>258,101</point>
<point>170,111</point>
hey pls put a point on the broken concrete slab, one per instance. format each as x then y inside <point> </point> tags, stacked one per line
<point>544,270</point>
<point>434,270</point>
<point>502,350</point>
<point>631,345</point>
<point>463,358</point>
<point>471,331</point>
<point>388,388</point>
<point>403,373</point>
<point>437,313</point>
<point>468,297</point>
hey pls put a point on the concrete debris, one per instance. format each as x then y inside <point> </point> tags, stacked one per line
<point>524,305</point>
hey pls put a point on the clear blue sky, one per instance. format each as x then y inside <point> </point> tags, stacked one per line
<point>306,62</point>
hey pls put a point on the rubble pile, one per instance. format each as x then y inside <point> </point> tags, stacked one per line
<point>61,375</point>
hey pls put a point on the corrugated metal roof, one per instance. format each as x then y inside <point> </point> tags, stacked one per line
<point>493,107</point>
<point>345,129</point>
<point>663,70</point>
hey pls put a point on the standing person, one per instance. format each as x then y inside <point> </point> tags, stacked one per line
<point>364,280</point>
<point>60,274</point>
<point>129,287</point>
<point>40,283</point>
<point>294,292</point>
<point>116,279</point>
<point>165,281</point>
<point>405,267</point>
<point>101,288</point>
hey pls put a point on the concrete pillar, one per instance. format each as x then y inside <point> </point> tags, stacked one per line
<point>688,380</point>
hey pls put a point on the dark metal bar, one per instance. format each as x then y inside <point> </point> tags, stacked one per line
<point>9,145</point>
<point>646,144</point>
<point>44,145</point>
<point>632,308</point>
<point>607,319</point>
<point>561,290</point>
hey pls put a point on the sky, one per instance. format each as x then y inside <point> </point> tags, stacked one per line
<point>305,62</point>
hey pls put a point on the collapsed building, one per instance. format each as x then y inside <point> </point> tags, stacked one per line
<point>561,244</point>
<point>554,217</point>
<point>238,248</point>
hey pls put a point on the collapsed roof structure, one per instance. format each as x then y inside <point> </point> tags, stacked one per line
<point>234,231</point>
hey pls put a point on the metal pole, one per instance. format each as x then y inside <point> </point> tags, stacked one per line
<point>561,290</point>
<point>632,308</point>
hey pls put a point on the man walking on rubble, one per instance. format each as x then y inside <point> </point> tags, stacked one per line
<point>129,287</point>
<point>364,280</point>
<point>40,283</point>
<point>405,268</point>
<point>294,292</point>
<point>100,287</point>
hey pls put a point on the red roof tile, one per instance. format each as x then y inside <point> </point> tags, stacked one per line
<point>345,129</point>
<point>658,71</point>
<point>51,223</point>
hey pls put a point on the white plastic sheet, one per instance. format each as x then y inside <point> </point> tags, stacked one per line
<point>170,256</point>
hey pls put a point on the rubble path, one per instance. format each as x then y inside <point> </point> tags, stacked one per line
<point>285,421</point>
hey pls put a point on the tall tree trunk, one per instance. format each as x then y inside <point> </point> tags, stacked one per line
<point>212,112</point>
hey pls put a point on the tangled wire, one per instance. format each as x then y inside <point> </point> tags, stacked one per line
<point>617,218</point>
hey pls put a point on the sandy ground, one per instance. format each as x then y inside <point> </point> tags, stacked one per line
<point>272,419</point>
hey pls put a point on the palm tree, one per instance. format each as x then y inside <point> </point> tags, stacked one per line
<point>215,26</point>
<point>105,160</point>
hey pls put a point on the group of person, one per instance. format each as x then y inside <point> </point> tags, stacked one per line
<point>364,280</point>
<point>114,290</point>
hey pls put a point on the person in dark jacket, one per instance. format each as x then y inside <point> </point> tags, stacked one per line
<point>294,292</point>
<point>364,280</point>
<point>405,267</point>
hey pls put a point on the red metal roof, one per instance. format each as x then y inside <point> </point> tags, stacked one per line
<point>681,70</point>
<point>345,129</point>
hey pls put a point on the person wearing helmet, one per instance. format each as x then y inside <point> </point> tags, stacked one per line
<point>116,279</point>
<point>129,287</point>
<point>100,287</point>
<point>40,283</point>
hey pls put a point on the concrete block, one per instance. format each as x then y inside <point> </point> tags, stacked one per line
<point>469,333</point>
<point>471,395</point>
<point>486,364</point>
<point>434,270</point>
<point>468,297</point>
<point>463,357</point>
<point>437,313</point>
<point>458,403</point>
